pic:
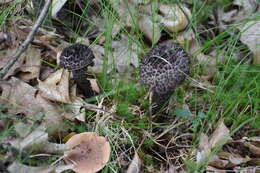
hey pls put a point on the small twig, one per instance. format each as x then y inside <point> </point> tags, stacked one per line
<point>28,40</point>
<point>96,108</point>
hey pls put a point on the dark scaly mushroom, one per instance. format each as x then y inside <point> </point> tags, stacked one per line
<point>163,69</point>
<point>77,58</point>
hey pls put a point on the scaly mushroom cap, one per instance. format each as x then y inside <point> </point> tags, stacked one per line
<point>89,152</point>
<point>76,56</point>
<point>164,68</point>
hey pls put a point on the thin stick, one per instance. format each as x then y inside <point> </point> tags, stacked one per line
<point>28,40</point>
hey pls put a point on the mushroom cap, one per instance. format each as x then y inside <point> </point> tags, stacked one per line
<point>89,152</point>
<point>76,56</point>
<point>164,68</point>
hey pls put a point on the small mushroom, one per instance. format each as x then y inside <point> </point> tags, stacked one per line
<point>77,58</point>
<point>163,69</point>
<point>89,152</point>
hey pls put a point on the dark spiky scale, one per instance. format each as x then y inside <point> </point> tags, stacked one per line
<point>76,56</point>
<point>163,69</point>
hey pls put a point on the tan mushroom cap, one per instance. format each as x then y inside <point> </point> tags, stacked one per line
<point>89,152</point>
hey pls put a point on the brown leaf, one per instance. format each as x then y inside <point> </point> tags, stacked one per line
<point>150,28</point>
<point>250,36</point>
<point>220,135</point>
<point>17,167</point>
<point>23,98</point>
<point>56,87</point>
<point>203,148</point>
<point>31,65</point>
<point>217,162</point>
<point>94,85</point>
<point>215,170</point>
<point>135,164</point>
<point>37,141</point>
<point>174,19</point>
<point>125,54</point>
<point>254,149</point>
<point>4,59</point>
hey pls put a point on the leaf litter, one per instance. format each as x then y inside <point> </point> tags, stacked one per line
<point>42,93</point>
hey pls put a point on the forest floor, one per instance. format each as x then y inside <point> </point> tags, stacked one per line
<point>210,123</point>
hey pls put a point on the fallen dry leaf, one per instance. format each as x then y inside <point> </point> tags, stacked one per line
<point>99,53</point>
<point>227,160</point>
<point>203,148</point>
<point>37,141</point>
<point>218,138</point>
<point>173,17</point>
<point>250,35</point>
<point>135,165</point>
<point>150,28</point>
<point>125,11</point>
<point>125,55</point>
<point>254,149</point>
<point>215,170</point>
<point>22,129</point>
<point>220,135</point>
<point>239,11</point>
<point>4,59</point>
<point>56,87</point>
<point>172,169</point>
<point>124,58</point>
<point>17,167</point>
<point>24,99</point>
<point>94,85</point>
<point>31,67</point>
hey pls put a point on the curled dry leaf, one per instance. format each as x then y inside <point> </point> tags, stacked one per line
<point>125,11</point>
<point>140,1</point>
<point>150,28</point>
<point>23,98</point>
<point>203,148</point>
<point>124,57</point>
<point>194,49</point>
<point>227,160</point>
<point>99,53</point>
<point>135,165</point>
<point>89,152</point>
<point>218,138</point>
<point>242,9</point>
<point>31,67</point>
<point>22,129</point>
<point>56,87</point>
<point>253,148</point>
<point>17,167</point>
<point>250,36</point>
<point>220,135</point>
<point>28,64</point>
<point>173,17</point>
<point>94,85</point>
<point>56,7</point>
<point>215,170</point>
<point>37,141</point>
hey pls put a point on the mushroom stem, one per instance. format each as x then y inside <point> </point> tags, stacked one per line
<point>83,83</point>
